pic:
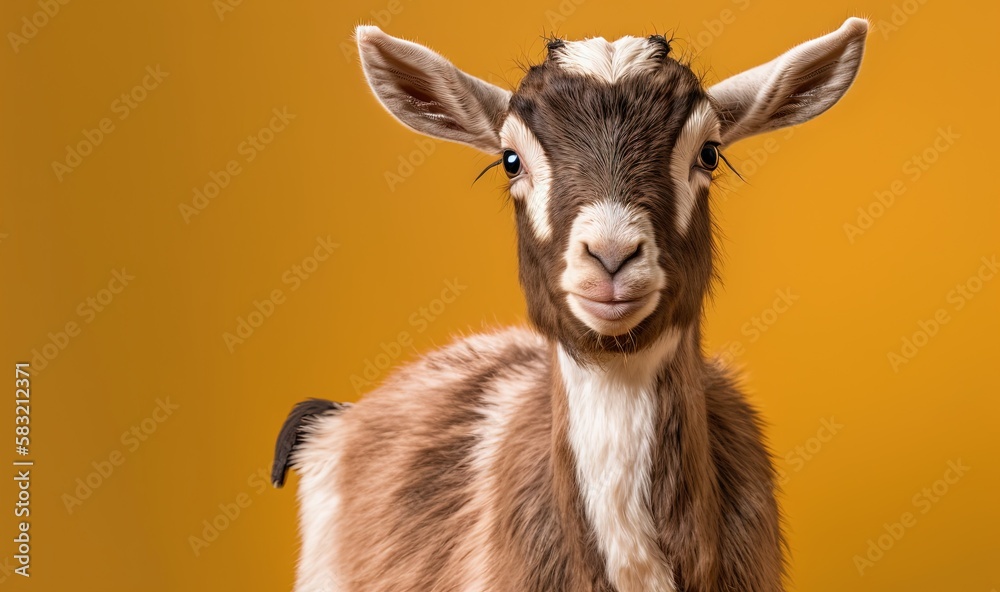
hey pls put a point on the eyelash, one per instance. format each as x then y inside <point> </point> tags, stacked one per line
<point>728,166</point>
<point>488,167</point>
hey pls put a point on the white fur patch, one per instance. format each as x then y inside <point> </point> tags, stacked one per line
<point>319,507</point>
<point>701,126</point>
<point>535,181</point>
<point>613,412</point>
<point>606,60</point>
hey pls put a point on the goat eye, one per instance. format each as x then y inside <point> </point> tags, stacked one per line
<point>511,163</point>
<point>708,159</point>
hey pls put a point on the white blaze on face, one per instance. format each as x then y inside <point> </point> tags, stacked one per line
<point>532,186</point>
<point>702,125</point>
<point>599,227</point>
<point>609,61</point>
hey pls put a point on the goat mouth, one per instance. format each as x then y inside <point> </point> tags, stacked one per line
<point>611,310</point>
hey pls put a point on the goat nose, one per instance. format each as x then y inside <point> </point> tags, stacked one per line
<point>613,256</point>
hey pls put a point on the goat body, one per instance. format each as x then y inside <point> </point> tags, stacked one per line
<point>599,451</point>
<point>458,473</point>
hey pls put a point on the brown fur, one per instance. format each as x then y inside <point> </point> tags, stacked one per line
<point>408,519</point>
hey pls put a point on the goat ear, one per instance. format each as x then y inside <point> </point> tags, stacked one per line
<point>428,94</point>
<point>793,88</point>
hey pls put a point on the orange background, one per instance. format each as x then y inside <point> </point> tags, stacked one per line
<point>825,358</point>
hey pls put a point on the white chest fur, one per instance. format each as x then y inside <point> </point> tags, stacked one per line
<point>613,413</point>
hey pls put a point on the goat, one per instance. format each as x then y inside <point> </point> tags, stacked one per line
<point>599,450</point>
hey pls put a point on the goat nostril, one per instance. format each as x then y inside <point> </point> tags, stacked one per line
<point>635,254</point>
<point>614,259</point>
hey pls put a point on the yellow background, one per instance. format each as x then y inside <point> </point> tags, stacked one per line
<point>825,358</point>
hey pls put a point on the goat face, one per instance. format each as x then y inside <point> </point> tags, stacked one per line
<point>610,149</point>
<point>613,147</point>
